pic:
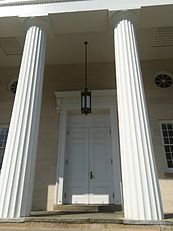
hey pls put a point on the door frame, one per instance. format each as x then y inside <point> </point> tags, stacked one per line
<point>68,101</point>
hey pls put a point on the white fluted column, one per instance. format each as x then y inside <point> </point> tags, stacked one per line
<point>17,173</point>
<point>141,192</point>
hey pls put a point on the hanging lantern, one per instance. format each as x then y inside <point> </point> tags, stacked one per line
<point>86,94</point>
<point>86,101</point>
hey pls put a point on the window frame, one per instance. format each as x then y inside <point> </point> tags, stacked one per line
<point>167,170</point>
<point>4,126</point>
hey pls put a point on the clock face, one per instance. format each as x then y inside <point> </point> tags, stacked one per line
<point>163,80</point>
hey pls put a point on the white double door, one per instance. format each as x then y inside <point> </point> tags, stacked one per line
<point>88,163</point>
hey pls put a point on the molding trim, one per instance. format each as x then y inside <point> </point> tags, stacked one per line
<point>101,100</point>
<point>124,15</point>
<point>169,174</point>
<point>67,94</point>
<point>71,99</point>
<point>34,2</point>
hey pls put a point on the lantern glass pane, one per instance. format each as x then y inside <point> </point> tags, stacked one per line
<point>83,101</point>
<point>88,101</point>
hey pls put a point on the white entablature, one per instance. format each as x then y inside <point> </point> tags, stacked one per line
<point>45,7</point>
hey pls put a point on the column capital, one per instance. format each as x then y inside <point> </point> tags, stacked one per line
<point>124,15</point>
<point>36,21</point>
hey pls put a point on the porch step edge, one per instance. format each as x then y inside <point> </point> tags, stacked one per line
<point>87,208</point>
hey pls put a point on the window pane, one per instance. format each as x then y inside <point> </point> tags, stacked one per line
<point>169,126</point>
<point>167,148</point>
<point>166,140</point>
<point>165,134</point>
<point>170,165</point>
<point>170,133</point>
<point>163,126</point>
<point>168,156</point>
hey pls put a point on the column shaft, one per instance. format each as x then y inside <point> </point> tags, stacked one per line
<point>140,182</point>
<point>17,174</point>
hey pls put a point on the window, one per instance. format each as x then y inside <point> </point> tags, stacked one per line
<point>163,80</point>
<point>13,86</point>
<point>167,134</point>
<point>3,140</point>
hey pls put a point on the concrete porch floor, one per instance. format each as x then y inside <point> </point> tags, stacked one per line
<point>78,217</point>
<point>75,221</point>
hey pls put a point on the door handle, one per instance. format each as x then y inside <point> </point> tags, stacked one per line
<point>91,175</point>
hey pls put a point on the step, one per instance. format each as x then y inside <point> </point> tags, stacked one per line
<point>49,221</point>
<point>82,227</point>
<point>87,208</point>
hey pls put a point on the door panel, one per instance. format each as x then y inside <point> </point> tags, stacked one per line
<point>88,151</point>
<point>100,163</point>
<point>76,167</point>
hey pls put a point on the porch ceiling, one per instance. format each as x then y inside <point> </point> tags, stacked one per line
<point>68,31</point>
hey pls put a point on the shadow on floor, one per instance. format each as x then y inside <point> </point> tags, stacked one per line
<point>168,215</point>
